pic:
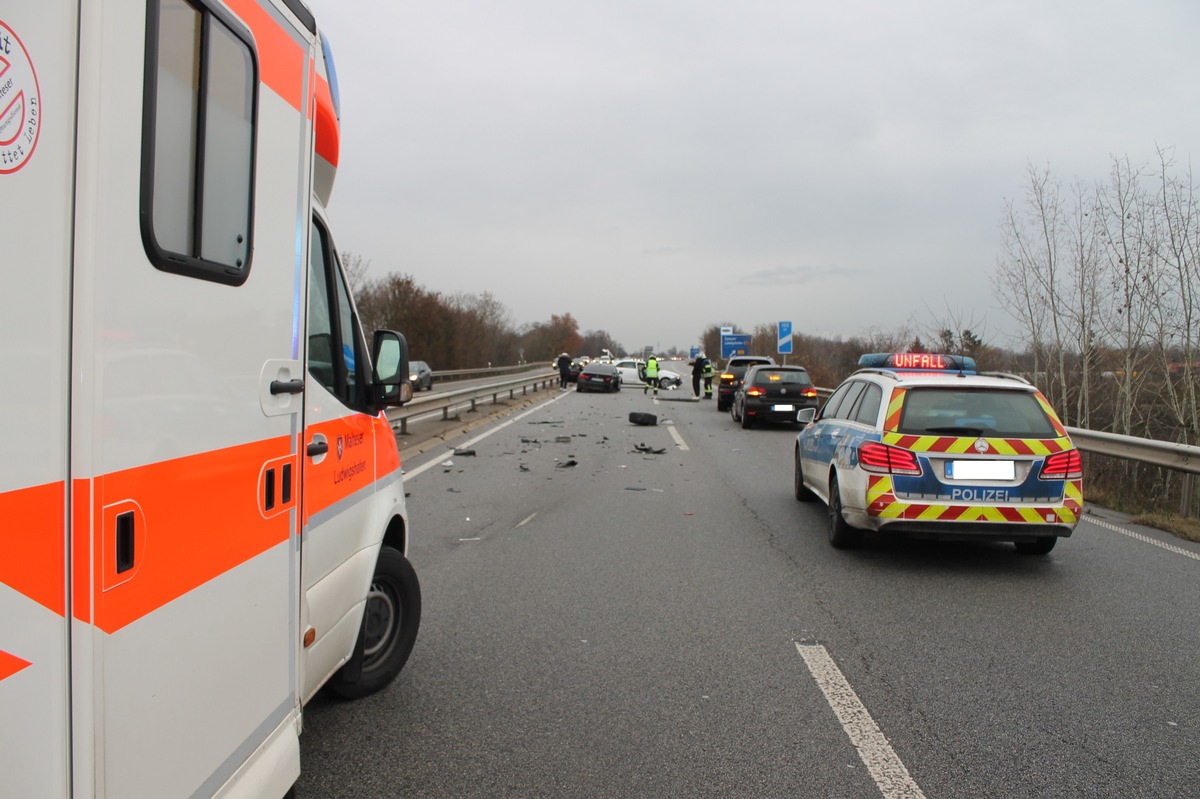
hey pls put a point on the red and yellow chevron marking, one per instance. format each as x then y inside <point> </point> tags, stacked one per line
<point>1058,426</point>
<point>891,422</point>
<point>955,445</point>
<point>882,502</point>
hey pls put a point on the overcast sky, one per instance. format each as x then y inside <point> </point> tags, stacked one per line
<point>656,166</point>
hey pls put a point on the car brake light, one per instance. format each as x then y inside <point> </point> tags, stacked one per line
<point>880,458</point>
<point>755,391</point>
<point>810,392</point>
<point>1062,466</point>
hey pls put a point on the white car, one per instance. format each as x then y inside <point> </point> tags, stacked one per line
<point>630,369</point>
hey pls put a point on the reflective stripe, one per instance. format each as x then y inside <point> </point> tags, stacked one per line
<point>33,545</point>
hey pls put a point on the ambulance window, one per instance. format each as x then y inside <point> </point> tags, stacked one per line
<point>198,142</point>
<point>335,350</point>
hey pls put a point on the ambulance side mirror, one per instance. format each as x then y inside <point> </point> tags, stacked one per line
<point>806,415</point>
<point>389,354</point>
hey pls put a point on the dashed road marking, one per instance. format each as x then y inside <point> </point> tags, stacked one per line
<point>889,773</point>
<point>678,439</point>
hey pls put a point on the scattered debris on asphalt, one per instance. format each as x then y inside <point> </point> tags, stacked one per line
<point>463,453</point>
<point>644,419</point>
<point>647,449</point>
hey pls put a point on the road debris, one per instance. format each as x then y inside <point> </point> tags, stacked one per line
<point>644,419</point>
<point>648,450</point>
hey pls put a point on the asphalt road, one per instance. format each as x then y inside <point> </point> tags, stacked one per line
<point>676,625</point>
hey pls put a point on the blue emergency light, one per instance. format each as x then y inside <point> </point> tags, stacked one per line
<point>918,362</point>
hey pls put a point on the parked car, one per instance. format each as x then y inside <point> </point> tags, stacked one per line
<point>631,372</point>
<point>773,394</point>
<point>731,376</point>
<point>919,444</point>
<point>597,376</point>
<point>420,375</point>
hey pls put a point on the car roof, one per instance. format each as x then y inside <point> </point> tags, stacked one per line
<point>947,379</point>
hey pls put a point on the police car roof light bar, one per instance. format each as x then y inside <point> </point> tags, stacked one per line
<point>918,362</point>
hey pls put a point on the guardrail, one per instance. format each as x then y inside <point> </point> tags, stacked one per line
<point>482,371</point>
<point>463,397</point>
<point>1178,457</point>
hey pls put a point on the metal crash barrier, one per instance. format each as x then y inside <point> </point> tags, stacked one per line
<point>468,398</point>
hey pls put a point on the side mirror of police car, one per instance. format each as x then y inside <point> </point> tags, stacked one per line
<point>806,415</point>
<point>389,353</point>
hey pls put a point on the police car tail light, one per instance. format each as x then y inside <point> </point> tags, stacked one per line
<point>1063,466</point>
<point>880,458</point>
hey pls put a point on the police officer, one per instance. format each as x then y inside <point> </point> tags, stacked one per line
<point>710,372</point>
<point>651,375</point>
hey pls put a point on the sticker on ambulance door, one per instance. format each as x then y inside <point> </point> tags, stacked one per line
<point>20,103</point>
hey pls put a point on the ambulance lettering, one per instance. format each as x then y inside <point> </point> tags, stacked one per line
<point>979,495</point>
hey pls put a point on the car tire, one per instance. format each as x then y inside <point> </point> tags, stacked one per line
<point>803,492</point>
<point>1039,546</point>
<point>747,421</point>
<point>841,534</point>
<point>389,627</point>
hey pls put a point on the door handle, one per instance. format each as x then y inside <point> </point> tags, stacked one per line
<point>317,448</point>
<point>287,386</point>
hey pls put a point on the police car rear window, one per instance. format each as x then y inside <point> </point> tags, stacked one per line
<point>995,413</point>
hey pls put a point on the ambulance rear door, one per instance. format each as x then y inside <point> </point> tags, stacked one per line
<point>192,210</point>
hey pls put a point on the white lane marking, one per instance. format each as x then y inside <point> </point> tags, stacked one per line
<point>1144,538</point>
<point>526,520</point>
<point>877,755</point>
<point>678,439</point>
<point>411,473</point>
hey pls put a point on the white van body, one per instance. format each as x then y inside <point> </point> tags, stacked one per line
<point>193,521</point>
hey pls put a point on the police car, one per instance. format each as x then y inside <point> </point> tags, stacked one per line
<point>920,444</point>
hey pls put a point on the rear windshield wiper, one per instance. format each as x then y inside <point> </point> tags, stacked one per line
<point>956,430</point>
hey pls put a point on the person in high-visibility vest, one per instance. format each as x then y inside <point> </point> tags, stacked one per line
<point>710,372</point>
<point>651,375</point>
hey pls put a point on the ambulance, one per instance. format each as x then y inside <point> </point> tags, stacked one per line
<point>202,516</point>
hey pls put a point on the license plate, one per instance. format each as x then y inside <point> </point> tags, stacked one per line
<point>981,470</point>
<point>783,407</point>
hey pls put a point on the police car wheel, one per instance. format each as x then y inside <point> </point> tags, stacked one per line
<point>1039,546</point>
<point>389,628</point>
<point>803,492</point>
<point>841,534</point>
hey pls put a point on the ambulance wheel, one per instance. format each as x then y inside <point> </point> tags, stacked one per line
<point>1038,546</point>
<point>841,534</point>
<point>389,627</point>
<point>803,492</point>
